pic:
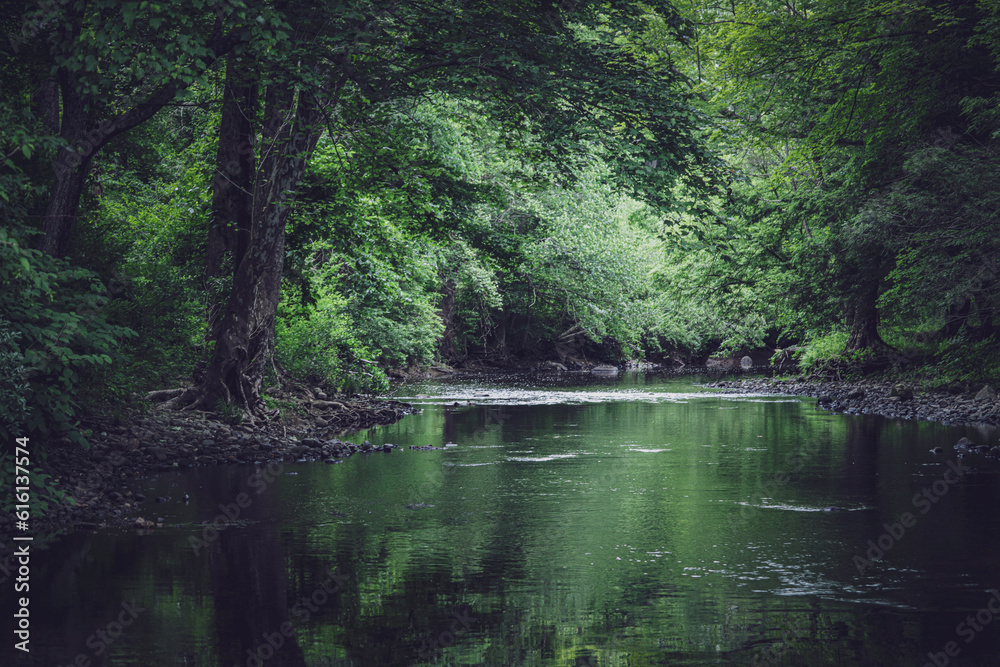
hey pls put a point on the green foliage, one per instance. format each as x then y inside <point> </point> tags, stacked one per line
<point>959,358</point>
<point>13,388</point>
<point>45,491</point>
<point>822,349</point>
<point>318,345</point>
<point>59,311</point>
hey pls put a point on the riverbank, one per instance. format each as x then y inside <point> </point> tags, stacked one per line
<point>954,405</point>
<point>98,479</point>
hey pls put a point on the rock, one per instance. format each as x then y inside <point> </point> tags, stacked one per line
<point>746,362</point>
<point>964,443</point>
<point>857,394</point>
<point>986,394</point>
<point>418,506</point>
<point>956,388</point>
<point>604,368</point>
<point>903,391</point>
<point>937,450</point>
<point>141,523</point>
<point>552,366</point>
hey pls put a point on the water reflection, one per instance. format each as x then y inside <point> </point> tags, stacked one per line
<point>612,529</point>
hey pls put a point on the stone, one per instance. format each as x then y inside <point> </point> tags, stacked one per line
<point>903,391</point>
<point>746,362</point>
<point>986,394</point>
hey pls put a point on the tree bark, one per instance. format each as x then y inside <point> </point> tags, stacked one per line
<point>244,338</point>
<point>232,187</point>
<point>863,320</point>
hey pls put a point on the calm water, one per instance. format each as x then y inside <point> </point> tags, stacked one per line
<point>637,521</point>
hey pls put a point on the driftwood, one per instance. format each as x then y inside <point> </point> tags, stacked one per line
<point>164,394</point>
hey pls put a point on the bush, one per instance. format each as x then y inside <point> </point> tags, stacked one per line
<point>822,349</point>
<point>13,388</point>
<point>57,311</point>
<point>318,346</point>
<point>958,358</point>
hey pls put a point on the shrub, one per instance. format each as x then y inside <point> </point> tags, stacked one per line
<point>58,313</point>
<point>318,346</point>
<point>822,349</point>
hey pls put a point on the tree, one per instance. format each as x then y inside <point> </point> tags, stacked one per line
<point>567,82</point>
<point>825,104</point>
<point>113,65</point>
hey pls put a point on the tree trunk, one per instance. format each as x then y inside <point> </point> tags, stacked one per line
<point>244,338</point>
<point>70,167</point>
<point>232,187</point>
<point>863,320</point>
<point>447,345</point>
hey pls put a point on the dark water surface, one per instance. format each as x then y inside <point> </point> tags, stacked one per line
<point>631,521</point>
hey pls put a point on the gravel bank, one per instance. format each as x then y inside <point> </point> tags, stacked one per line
<point>97,478</point>
<point>948,406</point>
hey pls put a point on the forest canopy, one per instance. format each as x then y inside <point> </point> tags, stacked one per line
<point>230,195</point>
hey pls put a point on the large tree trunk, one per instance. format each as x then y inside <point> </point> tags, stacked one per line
<point>863,320</point>
<point>232,187</point>
<point>244,337</point>
<point>70,168</point>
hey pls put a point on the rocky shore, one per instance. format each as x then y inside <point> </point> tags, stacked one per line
<point>97,479</point>
<point>956,404</point>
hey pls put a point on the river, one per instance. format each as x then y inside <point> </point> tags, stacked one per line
<point>564,521</point>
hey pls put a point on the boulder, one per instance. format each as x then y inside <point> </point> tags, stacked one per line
<point>903,391</point>
<point>986,394</point>
<point>746,362</point>
<point>604,368</point>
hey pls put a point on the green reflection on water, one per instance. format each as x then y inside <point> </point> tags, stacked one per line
<point>634,528</point>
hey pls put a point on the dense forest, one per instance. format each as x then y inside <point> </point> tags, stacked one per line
<point>225,195</point>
